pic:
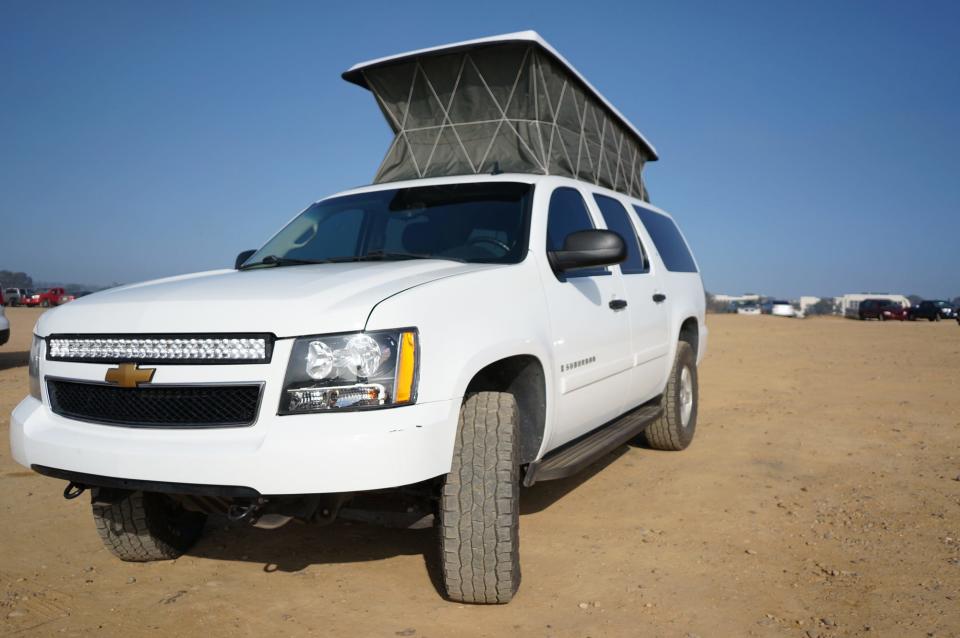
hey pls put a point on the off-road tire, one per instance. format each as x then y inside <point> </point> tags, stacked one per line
<point>480,503</point>
<point>144,526</point>
<point>668,431</point>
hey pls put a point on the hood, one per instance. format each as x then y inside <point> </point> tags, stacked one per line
<point>286,301</point>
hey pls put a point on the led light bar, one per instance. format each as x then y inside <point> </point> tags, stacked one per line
<point>210,349</point>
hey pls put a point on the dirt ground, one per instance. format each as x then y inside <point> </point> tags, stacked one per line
<point>821,497</point>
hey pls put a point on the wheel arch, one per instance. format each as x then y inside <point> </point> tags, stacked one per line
<point>690,333</point>
<point>522,376</point>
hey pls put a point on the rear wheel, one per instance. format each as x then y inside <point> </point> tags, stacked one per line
<point>145,526</point>
<point>675,428</point>
<point>480,503</point>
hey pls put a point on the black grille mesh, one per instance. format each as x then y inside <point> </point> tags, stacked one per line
<point>156,406</point>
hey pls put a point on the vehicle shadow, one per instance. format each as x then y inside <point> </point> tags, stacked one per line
<point>540,496</point>
<point>297,545</point>
<point>13,359</point>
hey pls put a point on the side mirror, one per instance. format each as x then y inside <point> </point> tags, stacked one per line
<point>242,257</point>
<point>588,249</point>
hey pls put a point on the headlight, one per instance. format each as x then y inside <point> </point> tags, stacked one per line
<point>361,370</point>
<point>33,366</point>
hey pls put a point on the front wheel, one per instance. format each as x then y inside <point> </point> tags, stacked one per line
<point>675,428</point>
<point>145,526</point>
<point>480,503</point>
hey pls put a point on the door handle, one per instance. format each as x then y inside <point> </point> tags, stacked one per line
<point>618,304</point>
<point>659,297</point>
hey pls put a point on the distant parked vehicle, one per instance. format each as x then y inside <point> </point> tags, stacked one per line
<point>13,296</point>
<point>4,323</point>
<point>48,298</point>
<point>782,309</point>
<point>932,310</point>
<point>749,309</point>
<point>882,309</point>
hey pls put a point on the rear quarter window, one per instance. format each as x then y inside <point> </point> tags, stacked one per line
<point>668,240</point>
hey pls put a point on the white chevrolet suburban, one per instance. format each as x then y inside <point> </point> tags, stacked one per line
<point>456,336</point>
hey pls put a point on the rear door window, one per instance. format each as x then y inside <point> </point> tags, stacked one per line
<point>616,217</point>
<point>668,240</point>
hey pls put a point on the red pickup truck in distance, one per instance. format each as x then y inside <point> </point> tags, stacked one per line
<point>51,297</point>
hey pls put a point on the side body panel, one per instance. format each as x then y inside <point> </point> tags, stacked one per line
<point>467,324</point>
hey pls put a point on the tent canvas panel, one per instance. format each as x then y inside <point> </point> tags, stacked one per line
<point>510,106</point>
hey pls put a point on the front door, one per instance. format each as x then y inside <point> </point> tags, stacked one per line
<point>591,335</point>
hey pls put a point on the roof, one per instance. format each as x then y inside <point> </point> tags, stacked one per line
<point>355,73</point>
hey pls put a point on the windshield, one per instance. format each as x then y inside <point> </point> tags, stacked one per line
<point>476,223</point>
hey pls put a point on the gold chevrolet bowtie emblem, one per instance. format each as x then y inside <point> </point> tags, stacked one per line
<point>128,375</point>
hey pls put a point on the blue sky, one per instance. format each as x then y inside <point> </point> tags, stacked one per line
<point>806,147</point>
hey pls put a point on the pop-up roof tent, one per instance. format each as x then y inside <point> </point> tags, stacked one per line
<point>507,103</point>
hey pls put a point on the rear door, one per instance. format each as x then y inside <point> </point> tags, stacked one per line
<point>680,287</point>
<point>591,335</point>
<point>647,305</point>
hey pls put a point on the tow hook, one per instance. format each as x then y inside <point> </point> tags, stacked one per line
<point>73,490</point>
<point>246,512</point>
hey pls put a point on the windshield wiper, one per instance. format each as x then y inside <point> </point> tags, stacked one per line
<point>375,255</point>
<point>273,260</point>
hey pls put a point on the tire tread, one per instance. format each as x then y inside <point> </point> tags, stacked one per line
<point>479,509</point>
<point>135,529</point>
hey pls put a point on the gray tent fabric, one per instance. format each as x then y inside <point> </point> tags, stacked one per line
<point>506,107</point>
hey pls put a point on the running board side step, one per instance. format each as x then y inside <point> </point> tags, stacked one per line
<point>578,454</point>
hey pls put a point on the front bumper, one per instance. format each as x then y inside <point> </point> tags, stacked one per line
<point>303,454</point>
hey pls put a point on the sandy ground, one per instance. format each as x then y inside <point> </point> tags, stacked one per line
<point>821,497</point>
